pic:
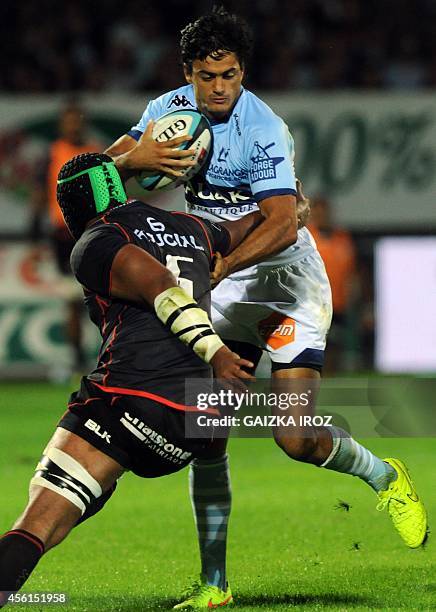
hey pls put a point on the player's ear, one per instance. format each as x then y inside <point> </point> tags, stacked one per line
<point>242,68</point>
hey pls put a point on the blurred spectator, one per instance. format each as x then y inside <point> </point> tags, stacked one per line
<point>305,43</point>
<point>337,249</point>
<point>406,68</point>
<point>72,141</point>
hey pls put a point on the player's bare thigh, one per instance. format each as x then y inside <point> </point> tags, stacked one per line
<point>49,515</point>
<point>101,467</point>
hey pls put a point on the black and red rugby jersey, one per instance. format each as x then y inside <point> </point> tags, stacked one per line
<point>138,351</point>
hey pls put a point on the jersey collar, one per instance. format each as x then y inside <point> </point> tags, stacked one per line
<point>229,116</point>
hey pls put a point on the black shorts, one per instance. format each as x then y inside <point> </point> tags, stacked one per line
<point>143,435</point>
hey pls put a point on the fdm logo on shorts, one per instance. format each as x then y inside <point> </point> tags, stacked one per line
<point>263,166</point>
<point>156,442</point>
<point>277,330</point>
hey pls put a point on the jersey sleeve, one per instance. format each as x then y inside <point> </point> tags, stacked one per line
<point>219,236</point>
<point>93,255</point>
<point>270,152</point>
<point>153,111</point>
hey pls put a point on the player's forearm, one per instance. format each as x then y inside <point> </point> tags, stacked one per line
<point>268,239</point>
<point>241,228</point>
<point>188,322</point>
<point>121,153</point>
<point>125,165</point>
<point>136,276</point>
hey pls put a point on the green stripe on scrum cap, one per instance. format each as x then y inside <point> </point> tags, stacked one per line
<point>101,193</point>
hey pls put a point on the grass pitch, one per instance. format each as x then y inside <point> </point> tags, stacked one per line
<point>289,546</point>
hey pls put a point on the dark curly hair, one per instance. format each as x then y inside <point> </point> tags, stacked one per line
<point>216,34</point>
<point>80,197</point>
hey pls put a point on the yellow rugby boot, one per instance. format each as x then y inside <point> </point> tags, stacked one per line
<point>203,596</point>
<point>404,506</point>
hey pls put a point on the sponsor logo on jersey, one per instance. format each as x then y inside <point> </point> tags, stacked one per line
<point>223,155</point>
<point>217,172</point>
<point>205,199</point>
<point>154,441</point>
<point>180,101</point>
<point>93,426</point>
<point>236,119</point>
<point>163,238</point>
<point>263,166</point>
<point>277,330</point>
<point>213,195</point>
<point>231,212</point>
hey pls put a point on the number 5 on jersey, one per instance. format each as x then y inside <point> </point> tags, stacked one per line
<point>172,263</point>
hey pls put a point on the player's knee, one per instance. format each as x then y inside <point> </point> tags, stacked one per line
<point>96,505</point>
<point>60,473</point>
<point>300,448</point>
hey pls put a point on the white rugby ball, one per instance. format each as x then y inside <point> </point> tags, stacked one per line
<point>172,125</point>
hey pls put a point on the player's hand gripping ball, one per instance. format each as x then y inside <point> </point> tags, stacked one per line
<point>181,123</point>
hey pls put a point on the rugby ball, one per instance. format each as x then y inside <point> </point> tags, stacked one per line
<point>172,125</point>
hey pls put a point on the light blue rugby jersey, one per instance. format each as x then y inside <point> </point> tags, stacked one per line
<point>253,159</point>
<point>253,156</point>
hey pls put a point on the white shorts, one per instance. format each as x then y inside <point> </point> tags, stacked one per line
<point>285,310</point>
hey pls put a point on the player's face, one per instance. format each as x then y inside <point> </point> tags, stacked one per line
<point>217,84</point>
<point>72,126</point>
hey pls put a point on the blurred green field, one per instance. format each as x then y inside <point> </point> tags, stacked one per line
<point>288,547</point>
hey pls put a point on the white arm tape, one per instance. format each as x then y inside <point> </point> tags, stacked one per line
<point>188,321</point>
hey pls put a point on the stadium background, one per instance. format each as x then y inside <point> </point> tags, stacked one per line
<point>355,82</point>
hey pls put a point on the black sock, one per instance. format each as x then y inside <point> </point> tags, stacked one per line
<point>20,551</point>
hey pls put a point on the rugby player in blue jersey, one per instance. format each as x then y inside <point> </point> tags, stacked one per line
<point>272,292</point>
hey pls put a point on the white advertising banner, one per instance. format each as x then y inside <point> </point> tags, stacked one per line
<point>406,304</point>
<point>373,155</point>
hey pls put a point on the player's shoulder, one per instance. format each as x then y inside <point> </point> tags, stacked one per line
<point>79,251</point>
<point>187,223</point>
<point>180,98</point>
<point>114,222</point>
<point>215,235</point>
<point>91,236</point>
<point>257,113</point>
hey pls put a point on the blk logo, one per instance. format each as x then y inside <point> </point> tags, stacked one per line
<point>97,429</point>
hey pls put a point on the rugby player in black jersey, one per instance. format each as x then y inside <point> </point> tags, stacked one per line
<point>145,274</point>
